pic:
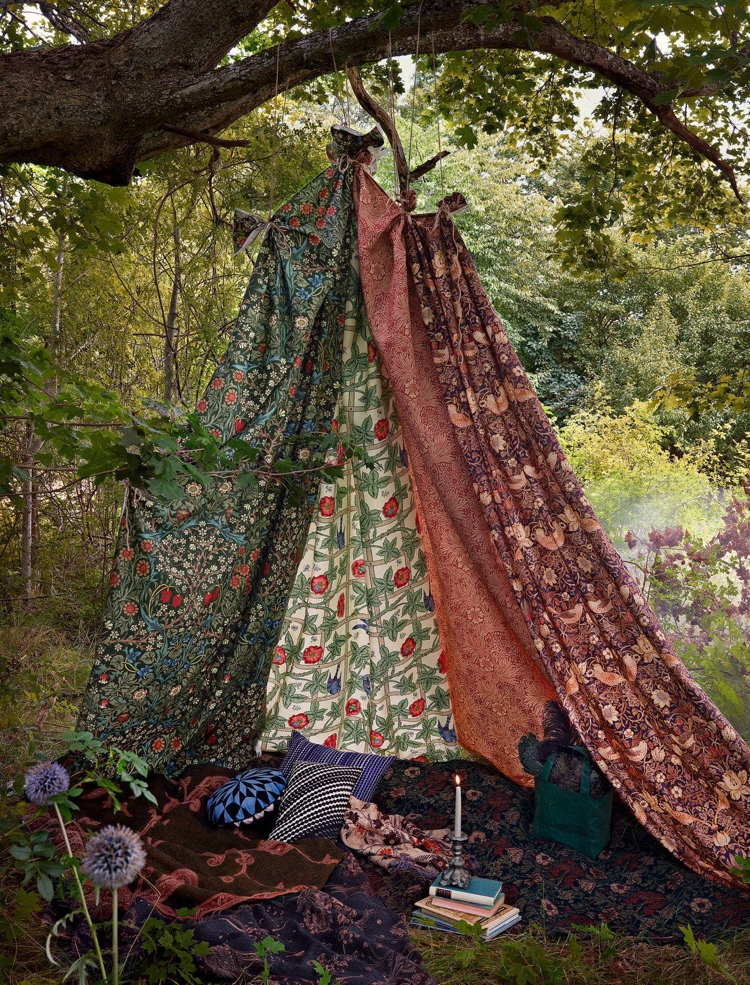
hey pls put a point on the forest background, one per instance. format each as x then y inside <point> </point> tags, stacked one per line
<point>116,303</point>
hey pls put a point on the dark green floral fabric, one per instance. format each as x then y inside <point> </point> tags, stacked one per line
<point>200,584</point>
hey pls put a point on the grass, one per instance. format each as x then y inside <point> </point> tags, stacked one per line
<point>583,958</point>
<point>43,671</point>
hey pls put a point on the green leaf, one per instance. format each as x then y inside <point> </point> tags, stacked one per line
<point>44,887</point>
<point>666,97</point>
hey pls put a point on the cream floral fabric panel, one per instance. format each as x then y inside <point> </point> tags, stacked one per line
<point>359,663</point>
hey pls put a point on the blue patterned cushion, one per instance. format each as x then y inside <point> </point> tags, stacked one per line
<point>373,766</point>
<point>246,797</point>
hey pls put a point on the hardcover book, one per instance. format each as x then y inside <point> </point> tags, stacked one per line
<point>458,906</point>
<point>484,892</point>
<point>426,922</point>
<point>498,917</point>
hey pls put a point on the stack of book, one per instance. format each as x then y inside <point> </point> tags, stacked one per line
<point>460,911</point>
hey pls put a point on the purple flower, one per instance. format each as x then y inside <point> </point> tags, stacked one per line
<point>46,781</point>
<point>114,857</point>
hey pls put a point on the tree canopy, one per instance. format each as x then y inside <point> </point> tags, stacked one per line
<point>98,87</point>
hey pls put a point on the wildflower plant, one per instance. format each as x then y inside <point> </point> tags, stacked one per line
<point>49,783</point>
<point>45,781</point>
<point>113,857</point>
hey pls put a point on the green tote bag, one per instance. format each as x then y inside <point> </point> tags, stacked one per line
<point>573,818</point>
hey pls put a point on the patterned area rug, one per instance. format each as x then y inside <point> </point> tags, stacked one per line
<point>635,886</point>
<point>311,896</point>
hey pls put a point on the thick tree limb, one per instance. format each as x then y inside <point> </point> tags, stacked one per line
<point>378,113</point>
<point>427,165</point>
<point>204,138</point>
<point>97,109</point>
<point>388,126</point>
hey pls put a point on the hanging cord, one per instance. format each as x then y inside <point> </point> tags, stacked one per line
<point>437,117</point>
<point>444,209</point>
<point>276,126</point>
<point>278,123</point>
<point>346,96</point>
<point>344,109</point>
<point>396,186</point>
<point>414,93</point>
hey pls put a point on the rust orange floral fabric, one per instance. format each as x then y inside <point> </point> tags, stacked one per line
<point>483,633</point>
<point>667,750</point>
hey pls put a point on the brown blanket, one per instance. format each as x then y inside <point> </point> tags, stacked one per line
<point>191,864</point>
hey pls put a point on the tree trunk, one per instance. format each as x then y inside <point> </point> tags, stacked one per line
<point>30,573</point>
<point>29,522</point>
<point>54,337</point>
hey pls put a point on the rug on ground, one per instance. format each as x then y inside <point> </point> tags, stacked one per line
<point>311,896</point>
<point>635,886</point>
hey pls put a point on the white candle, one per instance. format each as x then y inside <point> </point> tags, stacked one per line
<point>457,825</point>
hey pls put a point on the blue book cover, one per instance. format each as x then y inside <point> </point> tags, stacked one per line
<point>482,891</point>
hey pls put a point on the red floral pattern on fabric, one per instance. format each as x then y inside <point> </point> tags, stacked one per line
<point>480,625</point>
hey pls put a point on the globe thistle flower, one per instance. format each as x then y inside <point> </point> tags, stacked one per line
<point>113,857</point>
<point>46,781</point>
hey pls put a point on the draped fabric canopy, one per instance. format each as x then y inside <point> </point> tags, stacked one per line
<point>200,584</point>
<point>443,595</point>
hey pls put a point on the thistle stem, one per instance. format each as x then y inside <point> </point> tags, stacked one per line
<point>115,942</point>
<point>81,895</point>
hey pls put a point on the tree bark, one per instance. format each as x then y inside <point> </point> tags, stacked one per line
<point>98,109</point>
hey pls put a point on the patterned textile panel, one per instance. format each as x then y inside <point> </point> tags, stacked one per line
<point>668,751</point>
<point>498,685</point>
<point>359,664</point>
<point>200,583</point>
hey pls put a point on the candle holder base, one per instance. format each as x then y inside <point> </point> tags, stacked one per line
<point>456,875</point>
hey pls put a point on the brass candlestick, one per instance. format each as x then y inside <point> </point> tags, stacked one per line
<point>456,874</point>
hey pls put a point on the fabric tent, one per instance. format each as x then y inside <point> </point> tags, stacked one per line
<point>444,595</point>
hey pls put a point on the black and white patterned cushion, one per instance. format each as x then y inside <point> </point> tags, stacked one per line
<point>313,804</point>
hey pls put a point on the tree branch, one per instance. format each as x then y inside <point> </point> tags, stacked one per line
<point>204,138</point>
<point>376,111</point>
<point>97,109</point>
